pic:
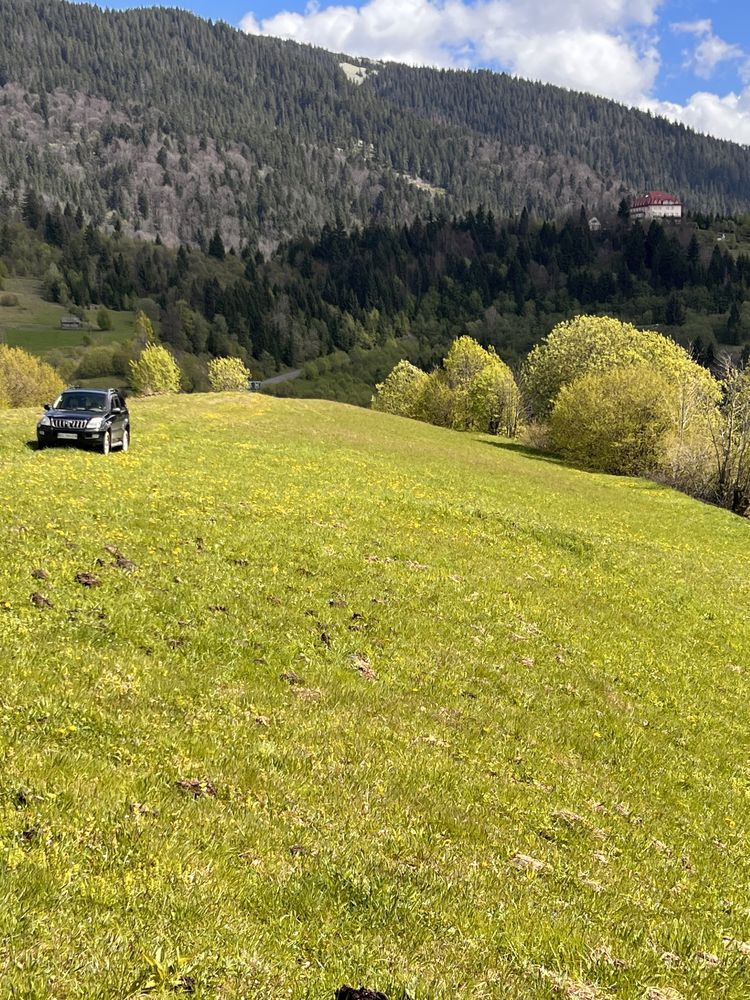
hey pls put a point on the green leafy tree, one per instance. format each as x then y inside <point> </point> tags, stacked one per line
<point>465,359</point>
<point>437,404</point>
<point>598,344</point>
<point>144,329</point>
<point>484,394</point>
<point>97,362</point>
<point>155,372</point>
<point>615,421</point>
<point>493,400</point>
<point>401,392</point>
<point>227,375</point>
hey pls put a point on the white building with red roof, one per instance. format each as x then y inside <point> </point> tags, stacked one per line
<point>656,205</point>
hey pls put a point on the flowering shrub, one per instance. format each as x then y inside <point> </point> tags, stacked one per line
<point>227,375</point>
<point>155,372</point>
<point>25,380</point>
<point>597,344</point>
<point>474,390</point>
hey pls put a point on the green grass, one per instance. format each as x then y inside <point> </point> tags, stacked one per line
<point>35,324</point>
<point>562,672</point>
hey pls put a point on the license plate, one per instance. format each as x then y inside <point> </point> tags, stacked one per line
<point>67,437</point>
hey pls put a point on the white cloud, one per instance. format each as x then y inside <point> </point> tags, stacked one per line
<point>594,62</point>
<point>693,27</point>
<point>727,117</point>
<point>605,47</point>
<point>584,45</point>
<point>710,51</point>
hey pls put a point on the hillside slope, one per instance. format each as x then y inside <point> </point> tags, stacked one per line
<point>268,139</point>
<point>475,723</point>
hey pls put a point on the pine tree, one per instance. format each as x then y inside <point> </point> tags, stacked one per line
<point>216,246</point>
<point>32,209</point>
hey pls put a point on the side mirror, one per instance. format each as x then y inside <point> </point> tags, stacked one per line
<point>47,406</point>
<point>115,409</point>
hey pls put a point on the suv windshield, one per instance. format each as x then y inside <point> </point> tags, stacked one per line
<point>81,401</point>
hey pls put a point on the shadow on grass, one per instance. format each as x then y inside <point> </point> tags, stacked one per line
<point>35,446</point>
<point>644,482</point>
<point>533,453</point>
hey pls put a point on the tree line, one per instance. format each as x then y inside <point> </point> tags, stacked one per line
<point>504,283</point>
<point>603,395</point>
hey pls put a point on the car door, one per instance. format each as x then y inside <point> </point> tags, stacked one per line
<point>117,409</point>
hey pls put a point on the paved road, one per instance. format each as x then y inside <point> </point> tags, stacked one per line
<point>284,377</point>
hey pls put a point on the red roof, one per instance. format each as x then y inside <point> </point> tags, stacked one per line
<point>656,198</point>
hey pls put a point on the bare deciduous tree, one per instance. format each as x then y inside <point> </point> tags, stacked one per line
<point>730,434</point>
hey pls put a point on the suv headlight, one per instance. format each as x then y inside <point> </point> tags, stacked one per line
<point>95,424</point>
<point>45,421</point>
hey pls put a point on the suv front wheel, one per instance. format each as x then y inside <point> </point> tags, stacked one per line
<point>107,443</point>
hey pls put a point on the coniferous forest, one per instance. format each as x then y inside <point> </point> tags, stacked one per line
<point>269,140</point>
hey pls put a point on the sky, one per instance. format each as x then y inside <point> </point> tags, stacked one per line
<point>686,59</point>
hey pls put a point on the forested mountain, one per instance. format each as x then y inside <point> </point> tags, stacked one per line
<point>156,121</point>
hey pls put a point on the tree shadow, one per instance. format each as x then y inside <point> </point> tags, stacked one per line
<point>533,453</point>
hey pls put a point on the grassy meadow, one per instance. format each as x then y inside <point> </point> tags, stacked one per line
<point>34,323</point>
<point>344,698</point>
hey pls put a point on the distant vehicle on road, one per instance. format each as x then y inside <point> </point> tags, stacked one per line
<point>95,418</point>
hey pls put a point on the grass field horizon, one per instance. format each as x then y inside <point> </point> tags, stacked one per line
<point>309,695</point>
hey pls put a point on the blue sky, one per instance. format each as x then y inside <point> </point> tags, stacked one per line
<point>687,59</point>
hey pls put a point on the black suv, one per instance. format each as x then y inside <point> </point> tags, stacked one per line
<point>97,417</point>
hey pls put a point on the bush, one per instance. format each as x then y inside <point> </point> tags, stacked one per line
<point>401,392</point>
<point>155,372</point>
<point>437,402</point>
<point>689,464</point>
<point>25,380</point>
<point>121,358</point>
<point>535,435</point>
<point>474,390</point>
<point>97,361</point>
<point>104,319</point>
<point>8,299</point>
<point>193,374</point>
<point>227,375</point>
<point>617,421</point>
<point>492,401</point>
<point>598,344</point>
<point>730,436</point>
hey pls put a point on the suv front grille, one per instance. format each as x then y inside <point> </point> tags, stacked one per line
<point>65,424</point>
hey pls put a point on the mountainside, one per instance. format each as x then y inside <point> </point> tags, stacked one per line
<point>341,697</point>
<point>163,123</point>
